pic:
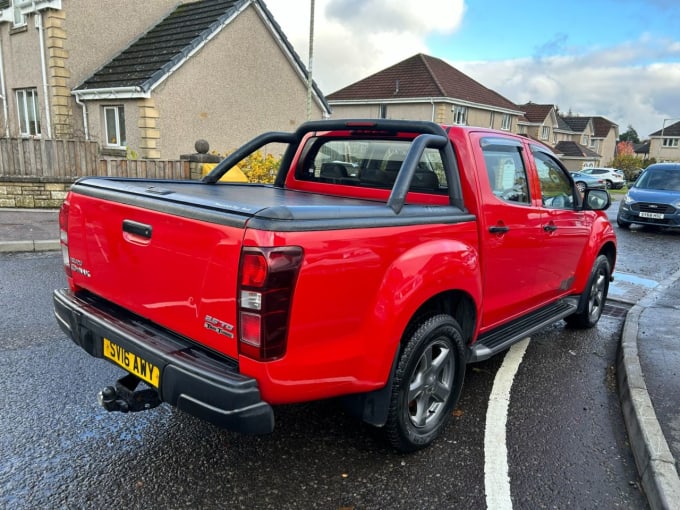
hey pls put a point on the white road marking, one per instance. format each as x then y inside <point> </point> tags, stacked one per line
<point>496,478</point>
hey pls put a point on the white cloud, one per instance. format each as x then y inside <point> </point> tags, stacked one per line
<point>356,38</point>
<point>634,83</point>
<point>601,83</point>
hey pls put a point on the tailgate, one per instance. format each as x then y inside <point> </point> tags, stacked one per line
<point>176,271</point>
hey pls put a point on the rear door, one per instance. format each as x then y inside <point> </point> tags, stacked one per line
<point>511,231</point>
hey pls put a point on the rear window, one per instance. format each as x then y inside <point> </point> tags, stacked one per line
<point>371,163</point>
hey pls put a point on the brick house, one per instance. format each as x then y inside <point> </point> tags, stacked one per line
<point>149,77</point>
<point>664,144</point>
<point>425,88</point>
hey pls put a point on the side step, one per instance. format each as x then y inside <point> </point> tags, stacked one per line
<point>495,341</point>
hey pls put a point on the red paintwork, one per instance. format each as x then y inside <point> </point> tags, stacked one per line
<point>357,289</point>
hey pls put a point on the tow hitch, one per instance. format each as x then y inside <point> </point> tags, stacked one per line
<point>123,397</point>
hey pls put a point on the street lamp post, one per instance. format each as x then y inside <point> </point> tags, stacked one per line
<point>311,61</point>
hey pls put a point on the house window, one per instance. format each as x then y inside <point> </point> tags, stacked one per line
<point>460,115</point>
<point>19,17</point>
<point>114,121</point>
<point>545,133</point>
<point>383,111</point>
<point>671,142</point>
<point>584,140</point>
<point>493,115</point>
<point>507,122</point>
<point>29,112</point>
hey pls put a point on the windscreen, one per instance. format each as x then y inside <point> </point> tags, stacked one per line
<point>659,179</point>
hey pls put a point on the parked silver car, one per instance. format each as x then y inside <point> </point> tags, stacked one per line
<point>613,178</point>
<point>585,181</point>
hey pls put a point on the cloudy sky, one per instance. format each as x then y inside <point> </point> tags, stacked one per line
<point>616,58</point>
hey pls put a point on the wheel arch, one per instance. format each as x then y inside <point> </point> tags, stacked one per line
<point>457,303</point>
<point>373,407</point>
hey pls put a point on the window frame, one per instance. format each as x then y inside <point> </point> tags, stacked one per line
<point>460,115</point>
<point>545,132</point>
<point>27,100</point>
<point>500,151</point>
<point>18,15</point>
<point>506,123</point>
<point>119,113</point>
<point>670,143</point>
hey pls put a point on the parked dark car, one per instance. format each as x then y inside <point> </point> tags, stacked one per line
<point>585,181</point>
<point>654,199</point>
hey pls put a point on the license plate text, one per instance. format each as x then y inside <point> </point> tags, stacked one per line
<point>132,363</point>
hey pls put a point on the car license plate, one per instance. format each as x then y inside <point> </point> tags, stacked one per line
<point>132,363</point>
<point>653,215</point>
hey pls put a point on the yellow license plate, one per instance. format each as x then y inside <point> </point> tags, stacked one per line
<point>132,363</point>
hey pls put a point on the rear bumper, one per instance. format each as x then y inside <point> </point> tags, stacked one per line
<point>192,379</point>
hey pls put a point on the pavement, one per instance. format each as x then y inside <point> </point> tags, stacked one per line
<point>648,364</point>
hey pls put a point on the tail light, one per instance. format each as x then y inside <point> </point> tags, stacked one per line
<point>63,236</point>
<point>267,279</point>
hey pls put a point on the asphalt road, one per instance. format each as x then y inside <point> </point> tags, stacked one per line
<point>566,442</point>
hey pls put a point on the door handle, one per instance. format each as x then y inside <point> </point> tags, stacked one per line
<point>138,229</point>
<point>497,229</point>
<point>550,228</point>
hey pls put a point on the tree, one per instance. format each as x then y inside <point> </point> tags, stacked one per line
<point>630,135</point>
<point>625,149</point>
<point>628,163</point>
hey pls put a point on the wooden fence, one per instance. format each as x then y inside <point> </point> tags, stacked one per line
<point>68,159</point>
<point>26,157</point>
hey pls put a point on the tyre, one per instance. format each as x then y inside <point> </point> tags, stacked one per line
<point>427,383</point>
<point>581,186</point>
<point>622,224</point>
<point>608,184</point>
<point>594,298</point>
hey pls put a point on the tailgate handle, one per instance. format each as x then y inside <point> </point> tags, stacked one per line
<point>138,229</point>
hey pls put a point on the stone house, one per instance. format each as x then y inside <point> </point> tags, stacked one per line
<point>664,144</point>
<point>579,141</point>
<point>425,88</point>
<point>151,77</point>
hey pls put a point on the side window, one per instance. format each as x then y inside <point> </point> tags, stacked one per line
<point>507,173</point>
<point>556,188</point>
<point>114,124</point>
<point>29,112</point>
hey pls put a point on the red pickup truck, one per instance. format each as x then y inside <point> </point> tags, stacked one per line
<point>386,256</point>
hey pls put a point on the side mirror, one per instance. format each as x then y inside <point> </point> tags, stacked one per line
<point>596,200</point>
